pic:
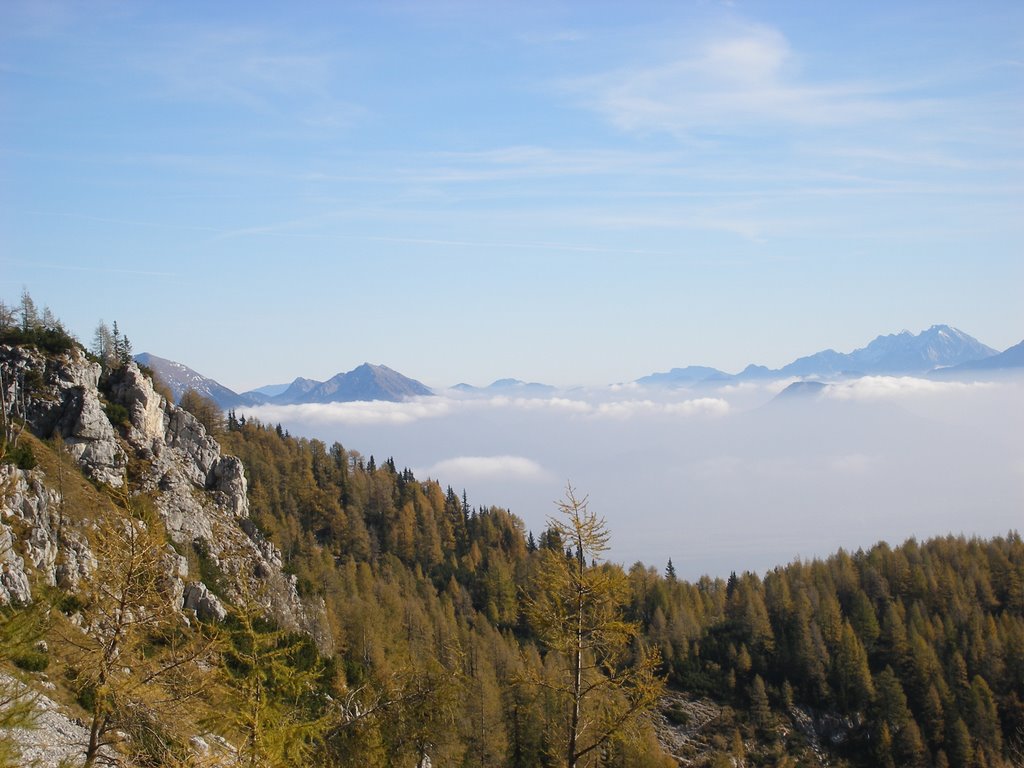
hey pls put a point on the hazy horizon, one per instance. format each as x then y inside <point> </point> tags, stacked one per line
<point>717,479</point>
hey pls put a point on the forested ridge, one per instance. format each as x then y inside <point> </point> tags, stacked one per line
<point>916,653</point>
<point>448,635</point>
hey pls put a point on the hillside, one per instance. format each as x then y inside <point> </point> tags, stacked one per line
<point>383,620</point>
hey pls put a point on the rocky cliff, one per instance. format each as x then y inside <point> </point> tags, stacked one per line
<point>125,435</point>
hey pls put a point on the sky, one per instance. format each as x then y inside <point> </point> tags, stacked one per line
<point>567,192</point>
<point>576,193</point>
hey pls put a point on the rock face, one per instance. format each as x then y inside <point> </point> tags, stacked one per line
<point>34,538</point>
<point>206,605</point>
<point>201,495</point>
<point>680,723</point>
<point>14,586</point>
<point>125,436</point>
<point>199,492</point>
<point>60,396</point>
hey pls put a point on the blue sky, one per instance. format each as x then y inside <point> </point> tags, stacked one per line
<point>576,193</point>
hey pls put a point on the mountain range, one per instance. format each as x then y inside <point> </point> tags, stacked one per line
<point>508,387</point>
<point>939,350</point>
<point>365,382</point>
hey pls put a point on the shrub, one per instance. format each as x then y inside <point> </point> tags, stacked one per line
<point>32,661</point>
<point>20,456</point>
<point>117,414</point>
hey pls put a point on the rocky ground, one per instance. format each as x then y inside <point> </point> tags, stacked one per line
<point>53,737</point>
<point>685,725</point>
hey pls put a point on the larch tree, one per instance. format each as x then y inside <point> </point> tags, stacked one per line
<point>606,681</point>
<point>134,656</point>
<point>29,313</point>
<point>103,344</point>
<point>273,702</point>
<point>205,409</point>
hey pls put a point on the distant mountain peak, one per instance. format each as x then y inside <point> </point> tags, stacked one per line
<point>180,378</point>
<point>364,382</point>
<point>904,352</point>
<point>681,377</point>
<point>801,389</point>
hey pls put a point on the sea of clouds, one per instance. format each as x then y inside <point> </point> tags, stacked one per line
<point>717,478</point>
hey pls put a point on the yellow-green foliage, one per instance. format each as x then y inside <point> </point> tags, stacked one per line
<point>427,600</point>
<point>136,662</point>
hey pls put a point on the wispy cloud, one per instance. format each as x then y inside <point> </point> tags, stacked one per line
<point>732,83</point>
<point>87,268</point>
<point>251,68</point>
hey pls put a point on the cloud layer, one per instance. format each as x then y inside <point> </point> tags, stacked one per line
<point>503,468</point>
<point>899,387</point>
<point>417,409</point>
<point>720,479</point>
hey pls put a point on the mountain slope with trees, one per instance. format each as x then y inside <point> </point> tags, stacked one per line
<point>408,627</point>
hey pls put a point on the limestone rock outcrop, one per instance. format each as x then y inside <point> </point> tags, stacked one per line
<point>200,493</point>
<point>206,605</point>
<point>59,395</point>
<point>35,538</point>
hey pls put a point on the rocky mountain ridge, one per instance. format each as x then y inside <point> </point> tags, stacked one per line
<point>127,436</point>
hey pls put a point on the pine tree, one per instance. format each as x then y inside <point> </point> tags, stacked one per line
<point>8,315</point>
<point>883,747</point>
<point>909,746</point>
<point>206,411</point>
<point>851,675</point>
<point>983,716</point>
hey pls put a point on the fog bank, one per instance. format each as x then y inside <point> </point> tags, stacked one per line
<point>718,478</point>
